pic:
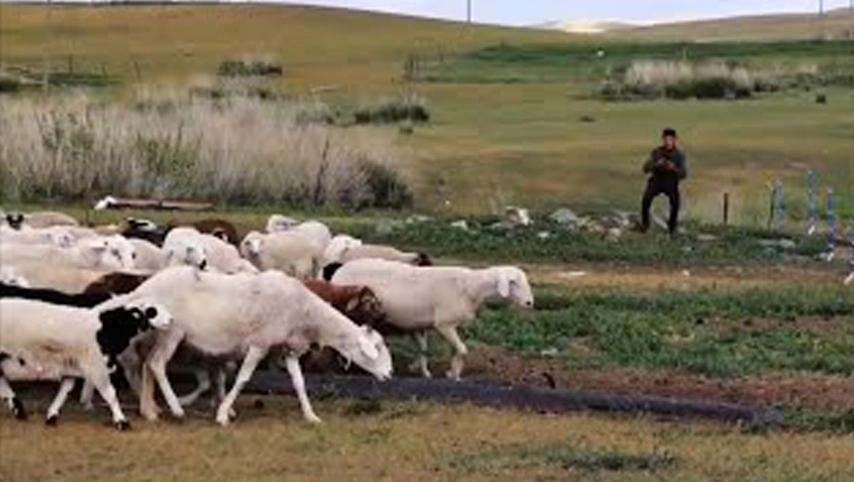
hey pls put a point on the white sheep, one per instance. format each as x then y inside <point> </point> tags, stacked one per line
<point>417,299</point>
<point>278,223</point>
<point>109,253</point>
<point>248,315</point>
<point>378,251</point>
<point>43,341</point>
<point>188,246</point>
<point>335,248</point>
<point>12,276</point>
<point>287,251</point>
<point>149,257</point>
<point>46,219</point>
<point>59,236</point>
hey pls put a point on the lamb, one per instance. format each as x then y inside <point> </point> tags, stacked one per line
<point>289,252</point>
<point>112,253</point>
<point>442,298</point>
<point>145,230</point>
<point>43,341</point>
<point>248,315</point>
<point>339,244</point>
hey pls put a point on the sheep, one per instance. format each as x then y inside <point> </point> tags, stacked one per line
<point>84,300</point>
<point>278,223</point>
<point>148,256</point>
<point>442,298</point>
<point>117,283</point>
<point>46,219</point>
<point>11,276</point>
<point>188,246</point>
<point>248,315</point>
<point>60,236</point>
<point>145,230</point>
<point>289,252</point>
<point>336,246</point>
<point>378,251</point>
<point>43,341</point>
<point>218,228</point>
<point>112,253</point>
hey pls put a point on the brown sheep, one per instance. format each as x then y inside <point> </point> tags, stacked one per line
<point>116,283</point>
<point>220,228</point>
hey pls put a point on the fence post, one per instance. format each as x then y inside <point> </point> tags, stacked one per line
<point>851,240</point>
<point>771,206</point>
<point>831,226</point>
<point>812,203</point>
<point>777,215</point>
<point>726,209</point>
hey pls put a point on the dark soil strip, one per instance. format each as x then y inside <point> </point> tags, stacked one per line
<point>514,397</point>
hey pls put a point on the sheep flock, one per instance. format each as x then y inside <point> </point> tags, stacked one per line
<point>146,302</point>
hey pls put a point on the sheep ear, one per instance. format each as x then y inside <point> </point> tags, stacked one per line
<point>368,349</point>
<point>503,284</point>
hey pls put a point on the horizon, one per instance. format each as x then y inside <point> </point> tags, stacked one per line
<point>541,12</point>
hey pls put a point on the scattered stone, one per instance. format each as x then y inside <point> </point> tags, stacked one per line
<point>544,235</point>
<point>461,224</point>
<point>565,217</point>
<point>587,119</point>
<point>786,244</point>
<point>849,279</point>
<point>516,216</point>
<point>614,235</point>
<point>573,274</point>
<point>686,273</point>
<point>707,238</point>
<point>550,352</point>
<point>418,218</point>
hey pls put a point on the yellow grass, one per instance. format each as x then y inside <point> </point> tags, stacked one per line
<point>412,442</point>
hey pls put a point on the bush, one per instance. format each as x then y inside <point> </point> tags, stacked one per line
<point>235,150</point>
<point>249,68</point>
<point>409,109</point>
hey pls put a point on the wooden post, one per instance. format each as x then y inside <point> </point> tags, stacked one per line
<point>726,209</point>
<point>812,203</point>
<point>831,226</point>
<point>137,71</point>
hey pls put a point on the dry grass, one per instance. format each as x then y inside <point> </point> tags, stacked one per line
<point>406,442</point>
<point>235,150</point>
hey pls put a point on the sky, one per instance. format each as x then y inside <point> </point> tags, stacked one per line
<point>530,12</point>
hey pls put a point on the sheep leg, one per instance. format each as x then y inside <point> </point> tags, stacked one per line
<point>421,363</point>
<point>250,361</point>
<point>87,392</point>
<point>156,363</point>
<point>147,406</point>
<point>12,400</point>
<point>59,400</point>
<point>131,365</point>
<point>453,338</point>
<point>292,362</point>
<point>220,389</point>
<point>203,380</point>
<point>100,378</point>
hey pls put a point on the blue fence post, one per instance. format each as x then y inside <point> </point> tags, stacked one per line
<point>812,203</point>
<point>831,226</point>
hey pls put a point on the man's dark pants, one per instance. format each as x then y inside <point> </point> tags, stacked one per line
<point>669,187</point>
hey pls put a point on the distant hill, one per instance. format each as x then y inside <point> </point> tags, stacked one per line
<point>837,24</point>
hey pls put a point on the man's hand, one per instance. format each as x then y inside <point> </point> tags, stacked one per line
<point>664,164</point>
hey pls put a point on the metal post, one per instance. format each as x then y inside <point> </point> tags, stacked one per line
<point>726,209</point>
<point>812,203</point>
<point>831,226</point>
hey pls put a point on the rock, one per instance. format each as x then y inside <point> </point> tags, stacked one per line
<point>707,238</point>
<point>550,352</point>
<point>418,218</point>
<point>461,224</point>
<point>614,235</point>
<point>565,217</point>
<point>515,216</point>
<point>622,219</point>
<point>785,244</point>
<point>386,227</point>
<point>573,274</point>
<point>821,99</point>
<point>544,235</point>
<point>587,119</point>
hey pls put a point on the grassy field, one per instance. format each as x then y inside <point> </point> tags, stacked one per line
<point>414,442</point>
<point>528,147</point>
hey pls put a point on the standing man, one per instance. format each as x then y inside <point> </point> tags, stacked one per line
<point>666,167</point>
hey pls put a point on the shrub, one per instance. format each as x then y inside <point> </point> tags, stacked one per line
<point>249,68</point>
<point>389,111</point>
<point>235,150</point>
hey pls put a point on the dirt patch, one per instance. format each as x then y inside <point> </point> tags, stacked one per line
<point>800,390</point>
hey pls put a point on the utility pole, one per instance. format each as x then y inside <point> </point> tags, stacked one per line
<point>821,20</point>
<point>468,10</point>
<point>851,12</point>
<point>46,58</point>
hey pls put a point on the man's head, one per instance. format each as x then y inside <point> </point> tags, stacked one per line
<point>669,137</point>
